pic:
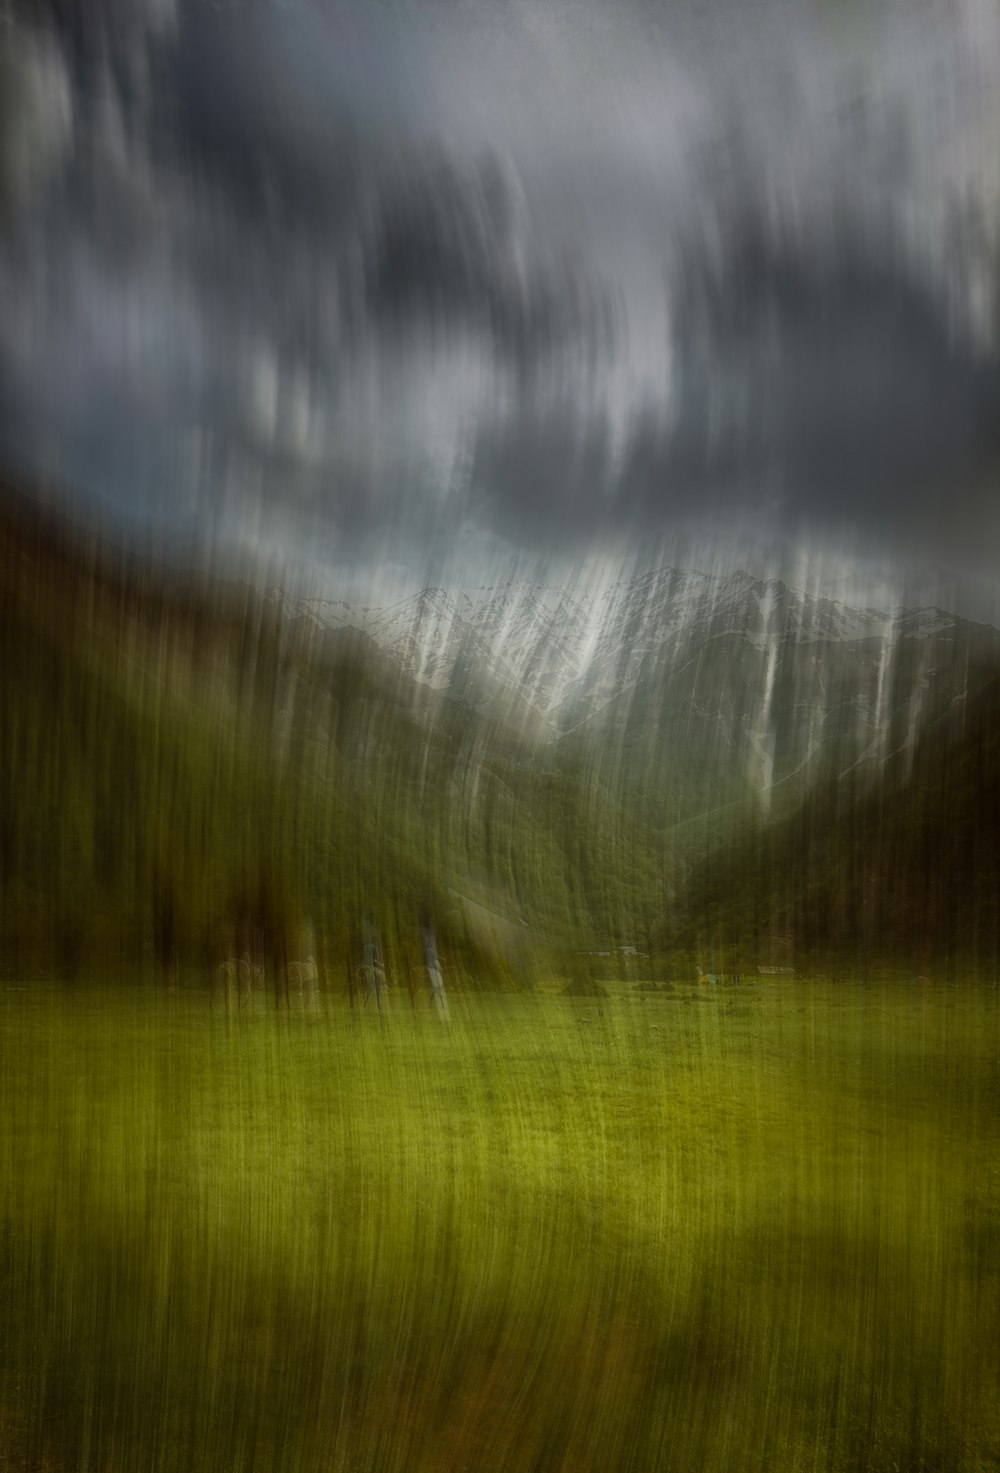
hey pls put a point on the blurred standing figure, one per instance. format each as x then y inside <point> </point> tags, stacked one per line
<point>432,964</point>
<point>372,971</point>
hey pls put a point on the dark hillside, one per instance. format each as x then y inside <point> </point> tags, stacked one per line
<point>898,869</point>
<point>186,773</point>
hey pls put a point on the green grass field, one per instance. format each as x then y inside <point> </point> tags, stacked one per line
<point>706,1230</point>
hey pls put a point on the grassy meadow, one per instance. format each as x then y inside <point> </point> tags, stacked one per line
<point>703,1229</point>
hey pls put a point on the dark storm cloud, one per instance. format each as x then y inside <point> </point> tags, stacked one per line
<point>445,247</point>
<point>548,479</point>
<point>391,271</point>
<point>257,120</point>
<point>827,382</point>
<point>818,386</point>
<point>240,228</point>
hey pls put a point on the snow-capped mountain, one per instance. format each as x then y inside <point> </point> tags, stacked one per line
<point>613,656</point>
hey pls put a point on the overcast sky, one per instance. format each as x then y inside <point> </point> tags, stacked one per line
<point>425,286</point>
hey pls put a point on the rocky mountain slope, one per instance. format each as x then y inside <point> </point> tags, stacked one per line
<point>750,687</point>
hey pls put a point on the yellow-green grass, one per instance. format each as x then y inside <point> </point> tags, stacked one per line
<point>708,1230</point>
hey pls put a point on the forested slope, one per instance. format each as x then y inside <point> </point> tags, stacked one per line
<point>895,870</point>
<point>185,773</point>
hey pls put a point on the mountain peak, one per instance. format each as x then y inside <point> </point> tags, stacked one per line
<point>568,652</point>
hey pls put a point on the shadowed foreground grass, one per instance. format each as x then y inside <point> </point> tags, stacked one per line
<point>749,1230</point>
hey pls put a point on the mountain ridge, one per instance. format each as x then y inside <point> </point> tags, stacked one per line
<point>798,686</point>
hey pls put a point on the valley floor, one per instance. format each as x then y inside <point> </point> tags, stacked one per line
<point>715,1230</point>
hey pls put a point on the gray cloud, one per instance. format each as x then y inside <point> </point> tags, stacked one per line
<point>238,237</point>
<point>547,479</point>
<point>454,247</point>
<point>828,384</point>
<point>813,392</point>
<point>400,274</point>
